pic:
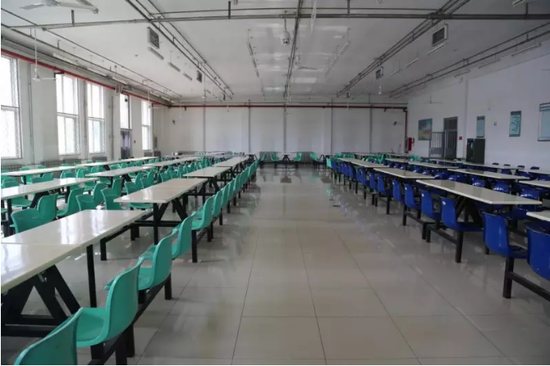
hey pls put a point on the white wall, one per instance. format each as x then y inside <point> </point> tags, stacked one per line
<point>511,85</point>
<point>322,130</point>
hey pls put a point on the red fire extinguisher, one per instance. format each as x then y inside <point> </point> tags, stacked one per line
<point>410,143</point>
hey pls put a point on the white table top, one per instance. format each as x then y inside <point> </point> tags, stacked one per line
<point>118,172</point>
<point>80,229</point>
<point>173,162</point>
<point>479,194</point>
<point>364,164</point>
<point>536,171</point>
<point>96,163</point>
<point>231,162</point>
<point>538,183</point>
<point>23,190</point>
<point>446,161</point>
<point>403,174</point>
<point>136,159</point>
<point>541,215</point>
<point>185,184</point>
<point>18,262</point>
<point>427,165</point>
<point>484,165</point>
<point>21,173</point>
<point>489,174</point>
<point>209,172</point>
<point>153,194</point>
<point>402,161</point>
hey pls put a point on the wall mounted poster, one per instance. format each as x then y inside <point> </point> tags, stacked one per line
<point>480,127</point>
<point>424,129</point>
<point>515,124</point>
<point>544,123</point>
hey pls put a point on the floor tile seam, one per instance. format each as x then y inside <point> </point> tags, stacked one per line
<point>312,301</point>
<point>390,316</point>
<point>245,296</point>
<point>442,295</point>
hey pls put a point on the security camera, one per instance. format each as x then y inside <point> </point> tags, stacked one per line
<point>285,38</point>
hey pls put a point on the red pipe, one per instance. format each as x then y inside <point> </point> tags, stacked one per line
<point>290,106</point>
<point>55,68</point>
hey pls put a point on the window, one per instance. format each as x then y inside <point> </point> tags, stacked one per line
<point>11,125</point>
<point>124,112</point>
<point>96,118</point>
<point>146,135</point>
<point>67,115</point>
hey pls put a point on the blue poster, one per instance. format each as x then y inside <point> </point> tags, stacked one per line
<point>515,124</point>
<point>424,129</point>
<point>480,127</point>
<point>544,126</point>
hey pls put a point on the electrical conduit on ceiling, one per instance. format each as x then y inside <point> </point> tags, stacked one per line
<point>55,68</point>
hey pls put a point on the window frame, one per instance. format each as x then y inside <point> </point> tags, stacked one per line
<point>15,108</point>
<point>92,120</point>
<point>147,125</point>
<point>65,115</point>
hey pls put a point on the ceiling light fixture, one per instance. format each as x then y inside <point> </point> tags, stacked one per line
<point>490,62</point>
<point>340,52</point>
<point>174,67</point>
<point>98,72</point>
<point>119,80</point>
<point>63,58</point>
<point>153,51</point>
<point>188,77</point>
<point>412,62</point>
<point>437,48</point>
<point>395,72</point>
<point>532,47</point>
<point>463,72</point>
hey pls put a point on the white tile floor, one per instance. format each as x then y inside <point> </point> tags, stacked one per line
<point>306,272</point>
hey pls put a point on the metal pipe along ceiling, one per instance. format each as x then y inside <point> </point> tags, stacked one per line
<point>328,106</point>
<point>293,50</point>
<point>446,10</point>
<point>224,88</point>
<point>430,17</point>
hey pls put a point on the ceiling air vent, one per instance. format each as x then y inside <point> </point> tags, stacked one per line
<point>439,36</point>
<point>153,38</point>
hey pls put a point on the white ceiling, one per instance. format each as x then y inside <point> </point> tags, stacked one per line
<point>223,44</point>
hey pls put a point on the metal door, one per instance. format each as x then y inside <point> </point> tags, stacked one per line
<point>450,126</point>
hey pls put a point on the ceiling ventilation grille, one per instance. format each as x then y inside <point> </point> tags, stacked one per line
<point>439,36</point>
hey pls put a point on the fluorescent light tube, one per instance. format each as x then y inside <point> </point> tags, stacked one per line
<point>98,72</point>
<point>343,49</point>
<point>174,67</point>
<point>250,49</point>
<point>395,72</point>
<point>413,62</point>
<point>437,48</point>
<point>119,80</point>
<point>188,77</point>
<point>63,58</point>
<point>153,51</point>
<point>463,72</point>
<point>488,63</point>
<point>536,45</point>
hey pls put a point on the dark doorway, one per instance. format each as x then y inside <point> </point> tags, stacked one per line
<point>450,128</point>
<point>125,144</point>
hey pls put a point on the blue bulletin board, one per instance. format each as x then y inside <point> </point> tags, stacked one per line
<point>515,124</point>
